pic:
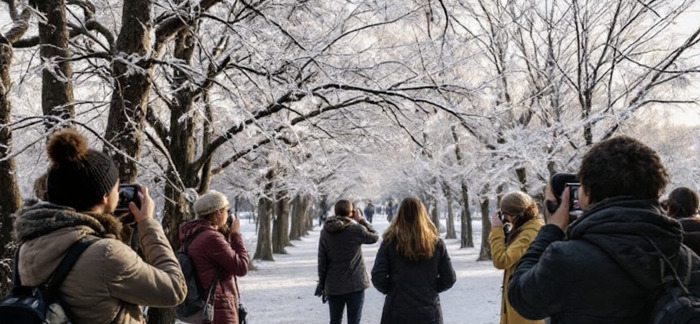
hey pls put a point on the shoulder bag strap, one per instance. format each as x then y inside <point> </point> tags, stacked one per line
<point>212,287</point>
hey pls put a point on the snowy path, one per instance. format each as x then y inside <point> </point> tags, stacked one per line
<point>281,292</point>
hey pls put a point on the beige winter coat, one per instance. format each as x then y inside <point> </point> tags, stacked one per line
<point>109,281</point>
<point>506,257</point>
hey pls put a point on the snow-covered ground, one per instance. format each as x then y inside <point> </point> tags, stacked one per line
<point>283,291</point>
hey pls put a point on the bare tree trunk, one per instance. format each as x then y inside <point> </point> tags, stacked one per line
<point>450,234</point>
<point>56,80</point>
<point>307,214</point>
<point>485,251</point>
<point>10,199</point>
<point>521,173</point>
<point>435,214</point>
<point>263,251</point>
<point>132,85</point>
<point>300,219</point>
<point>466,235</point>
<point>280,227</point>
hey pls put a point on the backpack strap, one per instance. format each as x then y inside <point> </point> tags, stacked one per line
<point>67,263</point>
<point>186,243</point>
<point>674,272</point>
<point>16,281</point>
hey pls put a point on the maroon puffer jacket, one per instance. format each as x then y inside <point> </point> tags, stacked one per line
<point>210,251</point>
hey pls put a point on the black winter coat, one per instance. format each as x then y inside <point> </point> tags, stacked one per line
<point>605,272</point>
<point>412,288</point>
<point>341,267</point>
<point>691,233</point>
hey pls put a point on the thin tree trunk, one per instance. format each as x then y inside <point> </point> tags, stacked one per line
<point>466,235</point>
<point>263,251</point>
<point>450,226</point>
<point>435,214</point>
<point>485,251</point>
<point>280,227</point>
<point>10,199</point>
<point>132,85</point>
<point>56,80</point>
<point>307,214</point>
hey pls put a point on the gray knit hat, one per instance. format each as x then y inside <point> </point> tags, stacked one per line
<point>209,203</point>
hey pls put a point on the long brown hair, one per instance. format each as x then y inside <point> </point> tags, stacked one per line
<point>522,207</point>
<point>415,235</point>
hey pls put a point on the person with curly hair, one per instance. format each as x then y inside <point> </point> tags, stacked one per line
<point>682,205</point>
<point>604,267</point>
<point>412,267</point>
<point>520,211</point>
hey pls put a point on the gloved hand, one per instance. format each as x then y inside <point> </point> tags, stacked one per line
<point>320,292</point>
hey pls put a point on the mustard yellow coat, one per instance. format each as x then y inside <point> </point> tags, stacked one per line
<point>507,257</point>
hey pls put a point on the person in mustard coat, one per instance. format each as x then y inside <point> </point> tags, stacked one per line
<point>521,216</point>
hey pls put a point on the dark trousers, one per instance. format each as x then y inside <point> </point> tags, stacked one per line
<point>353,300</point>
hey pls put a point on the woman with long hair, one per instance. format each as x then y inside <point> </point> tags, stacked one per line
<point>508,245</point>
<point>412,266</point>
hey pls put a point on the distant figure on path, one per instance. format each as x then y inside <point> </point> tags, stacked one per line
<point>389,211</point>
<point>412,267</point>
<point>369,211</point>
<point>341,268</point>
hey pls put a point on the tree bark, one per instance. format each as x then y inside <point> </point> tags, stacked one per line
<point>450,226</point>
<point>132,84</point>
<point>435,214</point>
<point>56,79</point>
<point>280,228</point>
<point>466,235</point>
<point>299,219</point>
<point>485,251</point>
<point>263,251</point>
<point>10,199</point>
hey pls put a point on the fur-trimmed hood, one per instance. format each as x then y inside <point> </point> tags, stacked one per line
<point>335,224</point>
<point>43,218</point>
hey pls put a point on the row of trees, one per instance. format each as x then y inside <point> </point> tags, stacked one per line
<point>290,103</point>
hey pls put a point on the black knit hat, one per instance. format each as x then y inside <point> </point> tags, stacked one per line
<point>78,177</point>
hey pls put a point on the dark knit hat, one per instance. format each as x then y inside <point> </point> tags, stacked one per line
<point>209,203</point>
<point>78,177</point>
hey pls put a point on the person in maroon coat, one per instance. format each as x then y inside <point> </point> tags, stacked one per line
<point>217,246</point>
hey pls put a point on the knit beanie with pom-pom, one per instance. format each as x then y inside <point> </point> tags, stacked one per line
<point>78,177</point>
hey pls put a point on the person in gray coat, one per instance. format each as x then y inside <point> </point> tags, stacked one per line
<point>341,268</point>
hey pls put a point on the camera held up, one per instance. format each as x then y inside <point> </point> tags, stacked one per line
<point>127,193</point>
<point>558,183</point>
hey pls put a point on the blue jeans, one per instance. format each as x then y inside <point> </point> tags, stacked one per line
<point>353,300</point>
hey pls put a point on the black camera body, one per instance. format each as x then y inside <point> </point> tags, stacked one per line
<point>573,196</point>
<point>502,217</point>
<point>558,183</point>
<point>128,193</point>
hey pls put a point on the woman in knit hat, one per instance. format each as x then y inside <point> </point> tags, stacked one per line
<point>218,253</point>
<point>109,281</point>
